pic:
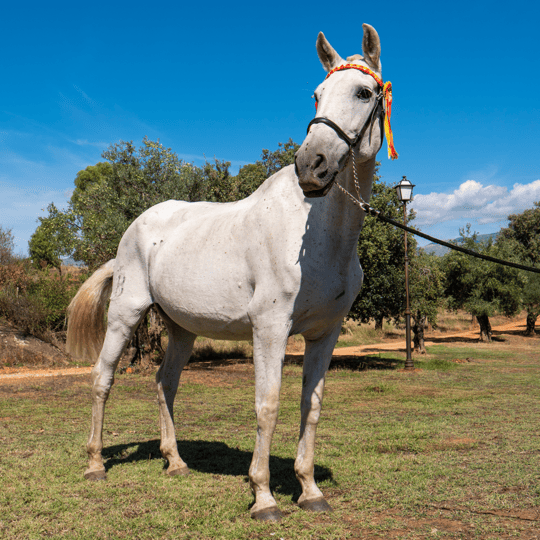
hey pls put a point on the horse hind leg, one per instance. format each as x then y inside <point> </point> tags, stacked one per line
<point>167,378</point>
<point>122,322</point>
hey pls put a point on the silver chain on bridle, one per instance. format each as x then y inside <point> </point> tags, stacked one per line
<point>358,200</point>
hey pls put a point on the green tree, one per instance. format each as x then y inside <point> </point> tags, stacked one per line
<point>531,301</point>
<point>523,234</point>
<point>524,228</point>
<point>251,176</point>
<point>51,240</point>
<point>108,196</point>
<point>426,286</point>
<point>7,245</point>
<point>481,287</point>
<point>283,156</point>
<point>382,255</point>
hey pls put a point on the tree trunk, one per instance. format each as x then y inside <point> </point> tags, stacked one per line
<point>147,339</point>
<point>485,328</point>
<point>418,338</point>
<point>531,322</point>
<point>379,323</point>
<point>155,329</point>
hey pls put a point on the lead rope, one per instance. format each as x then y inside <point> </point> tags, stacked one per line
<point>378,215</point>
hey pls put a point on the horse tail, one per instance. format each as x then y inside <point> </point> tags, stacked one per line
<point>86,314</point>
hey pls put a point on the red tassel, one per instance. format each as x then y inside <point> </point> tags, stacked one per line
<point>387,96</point>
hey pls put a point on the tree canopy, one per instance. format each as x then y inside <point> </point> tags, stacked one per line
<point>108,196</point>
<point>522,237</point>
<point>381,252</point>
<point>7,245</point>
<point>481,287</point>
<point>524,228</point>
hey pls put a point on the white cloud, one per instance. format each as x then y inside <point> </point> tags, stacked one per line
<point>85,142</point>
<point>474,202</point>
<point>85,96</point>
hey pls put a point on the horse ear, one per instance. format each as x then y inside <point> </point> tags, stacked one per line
<point>327,55</point>
<point>371,45</point>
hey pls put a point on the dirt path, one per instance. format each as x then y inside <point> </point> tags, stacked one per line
<point>9,374</point>
<point>431,339</point>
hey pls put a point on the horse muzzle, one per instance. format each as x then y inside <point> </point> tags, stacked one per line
<point>315,174</point>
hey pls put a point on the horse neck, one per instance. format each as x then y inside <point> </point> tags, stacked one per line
<point>340,218</point>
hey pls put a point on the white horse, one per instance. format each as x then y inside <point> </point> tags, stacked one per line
<point>282,261</point>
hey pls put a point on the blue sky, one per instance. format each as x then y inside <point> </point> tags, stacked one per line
<point>228,79</point>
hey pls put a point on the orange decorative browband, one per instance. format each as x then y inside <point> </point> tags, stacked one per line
<point>387,100</point>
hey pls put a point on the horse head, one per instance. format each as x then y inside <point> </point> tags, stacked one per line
<point>349,118</point>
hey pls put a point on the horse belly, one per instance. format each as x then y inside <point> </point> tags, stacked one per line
<point>204,291</point>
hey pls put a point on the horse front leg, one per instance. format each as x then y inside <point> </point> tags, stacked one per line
<point>317,357</point>
<point>269,343</point>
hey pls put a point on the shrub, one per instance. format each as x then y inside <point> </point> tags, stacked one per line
<point>52,294</point>
<point>36,301</point>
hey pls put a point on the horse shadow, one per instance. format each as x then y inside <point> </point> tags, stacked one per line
<point>365,363</point>
<point>353,362</point>
<point>216,458</point>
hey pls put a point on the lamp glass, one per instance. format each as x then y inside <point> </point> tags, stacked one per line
<point>404,190</point>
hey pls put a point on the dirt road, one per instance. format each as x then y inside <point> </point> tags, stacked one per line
<point>10,374</point>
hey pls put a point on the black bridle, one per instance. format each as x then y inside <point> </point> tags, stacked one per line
<point>378,110</point>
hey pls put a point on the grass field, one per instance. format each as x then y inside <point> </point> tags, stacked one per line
<point>451,450</point>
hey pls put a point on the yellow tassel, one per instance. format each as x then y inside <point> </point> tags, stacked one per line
<point>387,95</point>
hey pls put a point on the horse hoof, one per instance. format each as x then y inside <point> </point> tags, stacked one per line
<point>95,475</point>
<point>316,505</point>
<point>184,471</point>
<point>268,514</point>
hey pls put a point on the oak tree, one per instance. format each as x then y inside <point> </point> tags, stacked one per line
<point>483,288</point>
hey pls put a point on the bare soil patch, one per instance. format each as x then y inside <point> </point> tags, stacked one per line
<point>24,358</point>
<point>22,352</point>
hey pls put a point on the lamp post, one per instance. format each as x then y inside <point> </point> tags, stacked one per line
<point>404,194</point>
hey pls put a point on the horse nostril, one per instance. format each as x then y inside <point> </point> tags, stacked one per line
<point>318,161</point>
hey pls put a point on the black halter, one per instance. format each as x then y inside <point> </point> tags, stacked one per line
<point>378,109</point>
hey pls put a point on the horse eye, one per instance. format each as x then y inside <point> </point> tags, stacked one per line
<point>364,94</point>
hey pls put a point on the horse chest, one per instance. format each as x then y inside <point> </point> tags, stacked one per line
<point>325,298</point>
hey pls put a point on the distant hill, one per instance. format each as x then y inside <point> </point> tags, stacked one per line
<point>70,261</point>
<point>438,250</point>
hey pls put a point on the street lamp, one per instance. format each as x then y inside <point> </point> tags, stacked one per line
<point>404,193</point>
